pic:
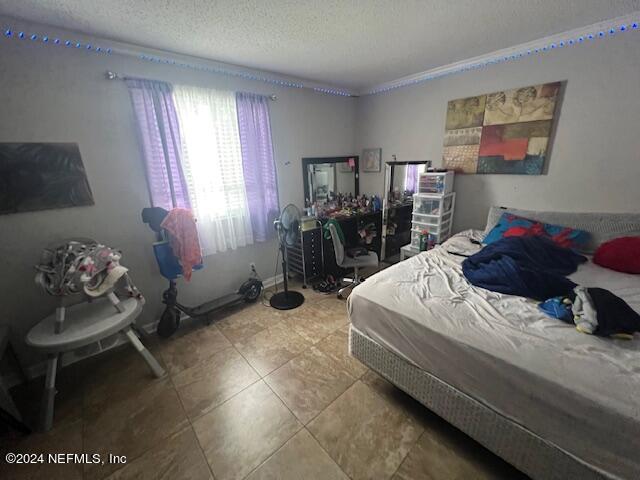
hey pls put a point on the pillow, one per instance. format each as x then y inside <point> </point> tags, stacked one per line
<point>511,225</point>
<point>601,227</point>
<point>620,254</point>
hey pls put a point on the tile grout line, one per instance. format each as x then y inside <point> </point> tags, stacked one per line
<point>279,366</point>
<point>260,378</point>
<point>129,459</point>
<point>318,440</point>
<point>232,396</point>
<point>288,439</point>
<point>132,459</point>
<point>193,430</point>
<point>401,412</point>
<point>304,425</point>
<point>169,377</point>
<point>275,369</point>
<point>327,406</point>
<point>323,449</point>
<point>190,422</point>
<point>310,345</point>
<point>225,401</point>
<point>385,401</point>
<point>276,450</point>
<point>408,453</point>
<point>199,362</point>
<point>281,401</point>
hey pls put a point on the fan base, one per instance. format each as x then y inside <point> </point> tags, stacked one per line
<point>286,300</point>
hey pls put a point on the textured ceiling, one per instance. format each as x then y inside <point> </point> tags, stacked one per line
<point>349,43</point>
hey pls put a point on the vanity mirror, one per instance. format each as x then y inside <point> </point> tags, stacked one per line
<point>401,182</point>
<point>325,177</point>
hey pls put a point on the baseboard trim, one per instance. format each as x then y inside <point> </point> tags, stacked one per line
<point>150,327</point>
<point>271,281</point>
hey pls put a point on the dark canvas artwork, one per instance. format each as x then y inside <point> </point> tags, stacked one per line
<point>501,132</point>
<point>39,176</point>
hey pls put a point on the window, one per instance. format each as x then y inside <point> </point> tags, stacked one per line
<point>210,151</point>
<point>411,178</point>
<point>212,163</point>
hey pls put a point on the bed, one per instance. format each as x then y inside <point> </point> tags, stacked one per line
<point>553,402</point>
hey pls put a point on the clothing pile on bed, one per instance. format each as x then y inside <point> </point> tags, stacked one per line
<point>594,311</point>
<point>526,260</point>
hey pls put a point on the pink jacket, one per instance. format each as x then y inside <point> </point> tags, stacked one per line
<point>183,237</point>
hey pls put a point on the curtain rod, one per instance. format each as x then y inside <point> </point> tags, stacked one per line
<point>109,75</point>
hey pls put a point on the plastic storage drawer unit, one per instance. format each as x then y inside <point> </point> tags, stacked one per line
<point>439,183</point>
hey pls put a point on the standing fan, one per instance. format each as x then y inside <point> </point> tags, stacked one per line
<point>288,228</point>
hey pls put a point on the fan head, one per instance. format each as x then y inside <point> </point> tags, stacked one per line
<point>288,224</point>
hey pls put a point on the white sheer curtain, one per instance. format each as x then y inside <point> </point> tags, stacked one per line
<point>212,164</point>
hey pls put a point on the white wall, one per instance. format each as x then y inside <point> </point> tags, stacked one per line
<point>54,94</point>
<point>594,162</point>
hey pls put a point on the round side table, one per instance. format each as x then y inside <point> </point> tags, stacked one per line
<point>80,325</point>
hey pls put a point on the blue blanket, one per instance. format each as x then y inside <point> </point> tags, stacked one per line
<point>530,266</point>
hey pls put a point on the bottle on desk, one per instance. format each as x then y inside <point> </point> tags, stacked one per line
<point>427,241</point>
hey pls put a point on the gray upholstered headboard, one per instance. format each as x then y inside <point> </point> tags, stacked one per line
<point>601,226</point>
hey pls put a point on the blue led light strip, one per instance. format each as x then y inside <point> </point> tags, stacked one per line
<point>624,24</point>
<point>332,91</point>
<point>64,42</point>
<point>222,71</point>
<point>244,75</point>
<point>569,39</point>
<point>56,41</point>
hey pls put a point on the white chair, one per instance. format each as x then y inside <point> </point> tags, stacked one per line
<point>344,261</point>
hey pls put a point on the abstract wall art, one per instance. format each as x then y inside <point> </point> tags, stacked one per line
<point>39,176</point>
<point>503,132</point>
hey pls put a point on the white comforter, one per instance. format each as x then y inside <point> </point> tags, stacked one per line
<point>578,391</point>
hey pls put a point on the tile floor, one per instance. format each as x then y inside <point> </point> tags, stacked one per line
<point>259,394</point>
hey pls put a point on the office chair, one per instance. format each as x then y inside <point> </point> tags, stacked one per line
<point>344,261</point>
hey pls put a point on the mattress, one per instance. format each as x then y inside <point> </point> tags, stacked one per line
<point>577,391</point>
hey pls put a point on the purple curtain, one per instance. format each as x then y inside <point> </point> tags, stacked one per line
<point>411,178</point>
<point>258,165</point>
<point>160,138</point>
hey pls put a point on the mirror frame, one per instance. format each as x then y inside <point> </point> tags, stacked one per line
<point>306,161</point>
